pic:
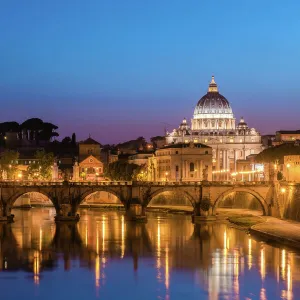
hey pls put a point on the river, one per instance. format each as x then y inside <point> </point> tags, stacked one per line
<point>105,257</point>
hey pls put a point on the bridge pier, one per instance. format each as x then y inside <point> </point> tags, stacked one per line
<point>66,213</point>
<point>203,213</point>
<point>6,215</point>
<point>136,212</point>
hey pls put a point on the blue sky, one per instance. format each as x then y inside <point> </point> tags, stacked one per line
<point>121,69</point>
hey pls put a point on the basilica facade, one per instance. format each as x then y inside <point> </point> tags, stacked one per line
<point>214,125</point>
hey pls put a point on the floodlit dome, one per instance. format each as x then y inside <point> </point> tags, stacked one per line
<point>213,104</point>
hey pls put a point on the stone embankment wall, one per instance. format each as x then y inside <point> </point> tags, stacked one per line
<point>289,201</point>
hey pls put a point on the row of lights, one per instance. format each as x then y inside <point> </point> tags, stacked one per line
<point>221,171</point>
<point>235,173</point>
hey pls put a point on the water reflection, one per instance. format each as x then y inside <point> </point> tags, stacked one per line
<point>167,258</point>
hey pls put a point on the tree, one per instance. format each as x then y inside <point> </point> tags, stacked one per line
<point>122,170</point>
<point>74,138</point>
<point>279,175</point>
<point>67,140</point>
<point>42,167</point>
<point>8,163</point>
<point>277,153</point>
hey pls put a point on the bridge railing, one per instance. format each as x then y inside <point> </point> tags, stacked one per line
<point>136,183</point>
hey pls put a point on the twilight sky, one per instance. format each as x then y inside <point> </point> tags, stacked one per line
<point>121,69</point>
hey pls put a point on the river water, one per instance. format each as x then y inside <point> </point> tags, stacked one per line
<point>105,257</point>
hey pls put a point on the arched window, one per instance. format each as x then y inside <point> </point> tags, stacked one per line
<point>192,167</point>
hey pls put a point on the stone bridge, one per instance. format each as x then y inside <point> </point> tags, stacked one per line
<point>135,196</point>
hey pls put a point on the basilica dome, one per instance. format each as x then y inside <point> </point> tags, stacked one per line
<point>213,104</point>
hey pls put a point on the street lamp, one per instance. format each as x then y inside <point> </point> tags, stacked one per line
<point>166,176</point>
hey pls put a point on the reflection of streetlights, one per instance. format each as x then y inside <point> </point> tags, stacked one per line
<point>288,172</point>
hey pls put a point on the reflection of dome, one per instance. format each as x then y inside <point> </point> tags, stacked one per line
<point>213,103</point>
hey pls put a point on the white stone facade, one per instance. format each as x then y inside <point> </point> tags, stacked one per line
<point>213,124</point>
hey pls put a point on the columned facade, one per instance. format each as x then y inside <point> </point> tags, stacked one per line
<point>214,124</point>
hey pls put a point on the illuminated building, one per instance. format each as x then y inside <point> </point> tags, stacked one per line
<point>90,164</point>
<point>181,162</point>
<point>291,168</point>
<point>214,124</point>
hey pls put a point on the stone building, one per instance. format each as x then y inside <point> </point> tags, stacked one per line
<point>90,165</point>
<point>291,168</point>
<point>89,147</point>
<point>140,158</point>
<point>286,136</point>
<point>181,162</point>
<point>214,124</point>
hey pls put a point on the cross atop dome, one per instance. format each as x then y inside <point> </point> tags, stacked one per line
<point>213,88</point>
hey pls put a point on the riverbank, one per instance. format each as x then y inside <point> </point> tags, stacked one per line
<point>278,231</point>
<point>269,229</point>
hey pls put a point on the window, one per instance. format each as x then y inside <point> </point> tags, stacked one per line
<point>176,152</point>
<point>206,152</point>
<point>192,167</point>
<point>177,168</point>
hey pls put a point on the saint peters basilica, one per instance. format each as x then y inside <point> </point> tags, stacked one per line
<point>214,125</point>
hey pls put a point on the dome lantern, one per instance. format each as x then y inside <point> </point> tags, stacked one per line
<point>213,88</point>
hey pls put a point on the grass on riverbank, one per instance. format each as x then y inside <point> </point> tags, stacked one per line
<point>246,221</point>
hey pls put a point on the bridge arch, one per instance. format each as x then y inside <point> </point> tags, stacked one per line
<point>92,191</point>
<point>19,194</point>
<point>171,189</point>
<point>255,194</point>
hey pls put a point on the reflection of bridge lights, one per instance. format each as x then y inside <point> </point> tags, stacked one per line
<point>122,236</point>
<point>289,277</point>
<point>97,238</point>
<point>249,254</point>
<point>103,233</point>
<point>263,294</point>
<point>167,274</point>
<point>41,239</point>
<point>36,267</point>
<point>283,263</point>
<point>86,235</point>
<point>236,271</point>
<point>97,271</point>
<point>262,262</point>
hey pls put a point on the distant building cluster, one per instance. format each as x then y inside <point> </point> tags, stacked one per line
<point>212,147</point>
